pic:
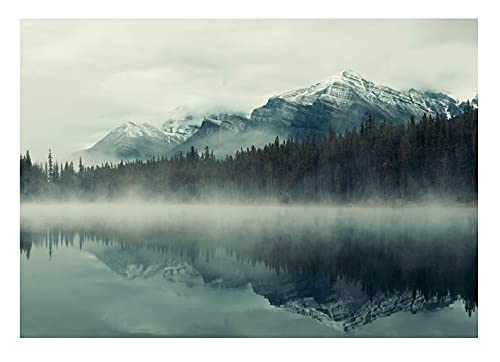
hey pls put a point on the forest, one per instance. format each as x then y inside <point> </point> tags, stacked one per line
<point>432,158</point>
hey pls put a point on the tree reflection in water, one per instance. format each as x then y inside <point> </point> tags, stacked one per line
<point>310,261</point>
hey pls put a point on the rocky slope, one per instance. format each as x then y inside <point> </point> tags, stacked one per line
<point>340,102</point>
<point>344,101</point>
<point>131,141</point>
<point>217,131</point>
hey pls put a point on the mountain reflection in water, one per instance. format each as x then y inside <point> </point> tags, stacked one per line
<point>345,268</point>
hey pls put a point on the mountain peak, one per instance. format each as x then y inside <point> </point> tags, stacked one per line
<point>131,140</point>
<point>343,76</point>
<point>183,129</point>
<point>330,87</point>
<point>131,130</point>
<point>340,102</point>
<point>343,101</point>
<point>125,125</point>
<point>348,72</point>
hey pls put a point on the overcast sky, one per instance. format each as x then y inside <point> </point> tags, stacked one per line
<point>79,79</point>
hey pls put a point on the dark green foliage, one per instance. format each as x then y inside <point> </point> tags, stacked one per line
<point>434,158</point>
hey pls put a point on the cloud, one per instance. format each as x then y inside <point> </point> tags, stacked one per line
<point>80,78</point>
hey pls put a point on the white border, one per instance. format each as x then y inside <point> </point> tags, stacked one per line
<point>240,349</point>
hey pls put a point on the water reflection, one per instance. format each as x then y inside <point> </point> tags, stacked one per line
<point>343,271</point>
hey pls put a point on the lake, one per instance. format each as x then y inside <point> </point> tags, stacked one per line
<point>155,270</point>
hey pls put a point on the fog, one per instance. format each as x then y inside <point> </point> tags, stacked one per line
<point>136,213</point>
<point>105,72</point>
<point>229,224</point>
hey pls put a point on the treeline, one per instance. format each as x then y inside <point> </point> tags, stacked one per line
<point>433,157</point>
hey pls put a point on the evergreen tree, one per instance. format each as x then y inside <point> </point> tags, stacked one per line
<point>50,167</point>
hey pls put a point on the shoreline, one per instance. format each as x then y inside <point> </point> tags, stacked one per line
<point>253,204</point>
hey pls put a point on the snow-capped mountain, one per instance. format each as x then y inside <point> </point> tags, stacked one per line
<point>217,131</point>
<point>177,131</point>
<point>473,102</point>
<point>344,101</point>
<point>341,102</point>
<point>138,141</point>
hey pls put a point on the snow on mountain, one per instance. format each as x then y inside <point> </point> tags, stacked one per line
<point>342,102</point>
<point>230,122</point>
<point>339,90</point>
<point>474,101</point>
<point>130,130</point>
<point>217,132</point>
<point>177,131</point>
<point>138,141</point>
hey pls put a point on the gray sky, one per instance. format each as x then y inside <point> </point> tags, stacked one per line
<point>79,79</point>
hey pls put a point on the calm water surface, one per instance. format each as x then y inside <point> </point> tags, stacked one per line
<point>185,270</point>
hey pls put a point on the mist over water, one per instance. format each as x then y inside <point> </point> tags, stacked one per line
<point>340,270</point>
<point>138,215</point>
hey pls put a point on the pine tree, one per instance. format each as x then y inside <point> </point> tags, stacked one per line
<point>81,168</point>
<point>50,167</point>
<point>55,176</point>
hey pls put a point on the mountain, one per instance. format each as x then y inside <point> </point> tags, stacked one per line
<point>217,131</point>
<point>473,102</point>
<point>177,131</point>
<point>342,102</point>
<point>131,141</point>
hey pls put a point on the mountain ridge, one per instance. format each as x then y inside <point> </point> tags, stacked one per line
<point>131,140</point>
<point>345,100</point>
<point>340,102</point>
